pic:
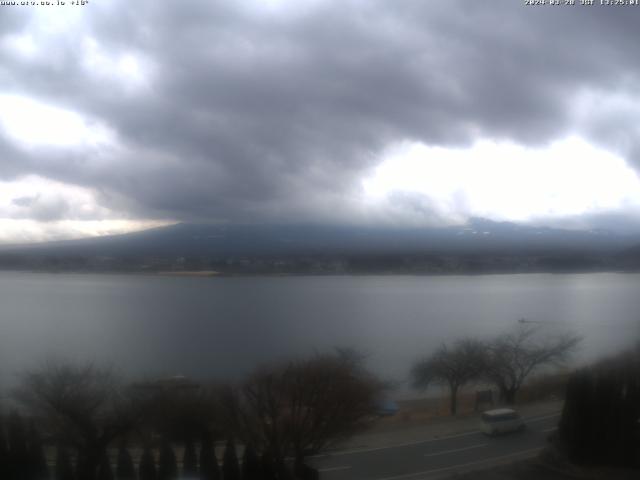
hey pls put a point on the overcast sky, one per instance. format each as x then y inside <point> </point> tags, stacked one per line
<point>120,115</point>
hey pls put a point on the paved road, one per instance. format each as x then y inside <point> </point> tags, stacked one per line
<point>438,457</point>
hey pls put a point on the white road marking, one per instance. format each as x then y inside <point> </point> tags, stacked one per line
<point>395,445</point>
<point>544,417</point>
<point>461,465</point>
<point>456,450</point>
<point>333,469</point>
<point>419,442</point>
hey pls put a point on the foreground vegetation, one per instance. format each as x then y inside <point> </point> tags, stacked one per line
<point>600,422</point>
<point>278,416</point>
<point>90,425</point>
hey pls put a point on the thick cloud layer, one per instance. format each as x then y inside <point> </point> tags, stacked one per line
<point>273,111</point>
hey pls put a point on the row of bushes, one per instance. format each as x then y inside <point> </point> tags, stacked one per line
<point>600,422</point>
<point>21,451</point>
<point>23,457</point>
<point>85,411</point>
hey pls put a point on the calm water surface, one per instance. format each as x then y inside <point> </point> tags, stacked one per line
<point>222,327</point>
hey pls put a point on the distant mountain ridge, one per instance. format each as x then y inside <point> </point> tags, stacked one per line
<point>481,246</point>
<point>478,236</point>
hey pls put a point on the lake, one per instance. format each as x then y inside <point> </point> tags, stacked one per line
<point>223,327</point>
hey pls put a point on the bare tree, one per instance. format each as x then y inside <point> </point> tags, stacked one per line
<point>303,407</point>
<point>83,406</point>
<point>182,415</point>
<point>331,397</point>
<point>453,366</point>
<point>512,357</point>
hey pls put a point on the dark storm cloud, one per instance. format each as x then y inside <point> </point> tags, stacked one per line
<point>250,112</point>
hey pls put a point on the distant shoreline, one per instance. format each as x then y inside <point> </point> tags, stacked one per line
<point>220,274</point>
<point>188,273</point>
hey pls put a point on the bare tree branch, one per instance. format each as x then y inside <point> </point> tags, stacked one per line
<point>83,406</point>
<point>304,406</point>
<point>453,366</point>
<point>512,357</point>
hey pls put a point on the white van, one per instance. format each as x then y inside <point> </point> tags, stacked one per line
<point>501,420</point>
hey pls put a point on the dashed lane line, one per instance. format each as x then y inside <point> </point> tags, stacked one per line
<point>419,442</point>
<point>333,469</point>
<point>456,450</point>
<point>426,473</point>
<point>395,445</point>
